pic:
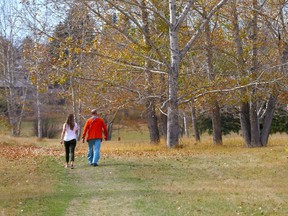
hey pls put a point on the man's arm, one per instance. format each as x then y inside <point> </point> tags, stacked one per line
<point>84,131</point>
<point>105,131</point>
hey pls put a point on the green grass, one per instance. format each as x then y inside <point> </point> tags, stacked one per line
<point>56,202</point>
<point>34,187</point>
<point>142,179</point>
<point>214,184</point>
<point>130,134</point>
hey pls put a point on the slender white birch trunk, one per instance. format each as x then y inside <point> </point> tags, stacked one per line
<point>254,120</point>
<point>176,57</point>
<point>172,118</point>
<point>38,107</point>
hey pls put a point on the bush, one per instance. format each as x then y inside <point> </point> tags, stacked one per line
<point>280,122</point>
<point>228,124</point>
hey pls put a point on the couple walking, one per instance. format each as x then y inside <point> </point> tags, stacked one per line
<point>94,128</point>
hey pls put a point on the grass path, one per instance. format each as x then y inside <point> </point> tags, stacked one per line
<point>140,179</point>
<point>105,190</point>
<point>220,183</point>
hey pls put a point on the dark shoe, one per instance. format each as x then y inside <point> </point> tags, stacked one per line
<point>95,164</point>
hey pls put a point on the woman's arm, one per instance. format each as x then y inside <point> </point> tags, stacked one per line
<point>63,132</point>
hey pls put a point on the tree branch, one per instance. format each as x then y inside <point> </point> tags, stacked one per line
<point>184,14</point>
<point>201,27</point>
<point>143,32</point>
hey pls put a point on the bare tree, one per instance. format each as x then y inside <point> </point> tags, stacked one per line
<point>215,109</point>
<point>12,77</point>
<point>194,122</point>
<point>250,110</point>
<point>177,15</point>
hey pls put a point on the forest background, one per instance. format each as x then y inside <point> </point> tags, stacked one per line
<point>179,67</point>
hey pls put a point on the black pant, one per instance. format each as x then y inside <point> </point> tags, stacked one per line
<point>70,148</point>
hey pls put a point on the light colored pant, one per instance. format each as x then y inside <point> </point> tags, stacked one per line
<point>94,151</point>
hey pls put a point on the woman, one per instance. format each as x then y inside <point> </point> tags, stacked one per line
<point>69,136</point>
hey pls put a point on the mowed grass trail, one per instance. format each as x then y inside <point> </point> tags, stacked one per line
<point>142,179</point>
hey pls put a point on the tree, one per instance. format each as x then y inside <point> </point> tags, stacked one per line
<point>148,53</point>
<point>176,54</point>
<point>277,32</point>
<point>194,123</point>
<point>69,52</point>
<point>36,62</point>
<point>13,76</point>
<point>250,111</point>
<point>150,102</point>
<point>215,109</point>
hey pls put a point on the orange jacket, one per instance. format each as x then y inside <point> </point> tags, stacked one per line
<point>95,126</point>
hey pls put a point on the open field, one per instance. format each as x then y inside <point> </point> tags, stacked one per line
<point>143,179</point>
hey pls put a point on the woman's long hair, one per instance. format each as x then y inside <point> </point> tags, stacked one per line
<point>70,121</point>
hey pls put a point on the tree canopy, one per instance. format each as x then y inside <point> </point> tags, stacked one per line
<point>225,58</point>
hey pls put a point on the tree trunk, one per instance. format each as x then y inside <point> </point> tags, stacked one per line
<point>172,115</point>
<point>150,102</point>
<point>268,120</point>
<point>78,119</point>
<point>9,72</point>
<point>163,125</point>
<point>74,102</point>
<point>152,123</point>
<point>245,123</point>
<point>12,112</point>
<point>172,118</point>
<point>215,110</point>
<point>110,129</point>
<point>216,124</point>
<point>110,122</point>
<point>163,111</point>
<point>185,126</point>
<point>248,112</point>
<point>254,121</point>
<point>284,59</point>
<point>272,102</point>
<point>194,124</point>
<point>244,108</point>
<point>38,107</point>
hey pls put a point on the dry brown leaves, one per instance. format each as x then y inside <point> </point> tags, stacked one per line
<point>14,151</point>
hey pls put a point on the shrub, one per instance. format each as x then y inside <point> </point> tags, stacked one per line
<point>228,124</point>
<point>280,122</point>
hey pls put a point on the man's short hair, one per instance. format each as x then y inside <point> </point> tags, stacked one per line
<point>94,111</point>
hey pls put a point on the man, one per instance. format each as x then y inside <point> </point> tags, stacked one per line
<point>95,127</point>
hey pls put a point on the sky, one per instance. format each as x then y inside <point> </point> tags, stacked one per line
<point>18,18</point>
